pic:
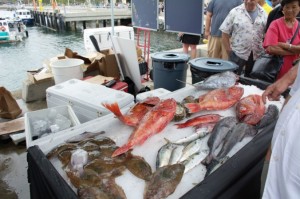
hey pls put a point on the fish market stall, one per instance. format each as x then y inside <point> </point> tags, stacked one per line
<point>226,178</point>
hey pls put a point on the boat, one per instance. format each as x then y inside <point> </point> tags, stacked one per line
<point>12,30</point>
<point>25,15</point>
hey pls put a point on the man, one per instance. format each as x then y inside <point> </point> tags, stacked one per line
<point>242,34</point>
<point>283,178</point>
<point>217,11</point>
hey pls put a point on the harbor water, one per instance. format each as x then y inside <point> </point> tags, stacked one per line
<point>42,44</point>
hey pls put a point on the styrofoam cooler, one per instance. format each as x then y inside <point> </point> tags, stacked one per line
<point>42,114</point>
<point>103,38</point>
<point>86,98</point>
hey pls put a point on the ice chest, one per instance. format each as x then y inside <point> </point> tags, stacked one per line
<point>86,98</point>
<point>102,36</point>
<point>30,117</point>
<point>154,93</point>
<point>204,67</point>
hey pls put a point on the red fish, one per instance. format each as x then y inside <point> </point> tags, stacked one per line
<point>136,113</point>
<point>250,109</point>
<point>218,99</point>
<point>152,123</point>
<point>202,119</point>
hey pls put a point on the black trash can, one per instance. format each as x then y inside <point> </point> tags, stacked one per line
<point>168,68</point>
<point>204,67</point>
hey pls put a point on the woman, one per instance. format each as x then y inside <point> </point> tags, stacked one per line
<point>279,34</point>
<point>189,41</point>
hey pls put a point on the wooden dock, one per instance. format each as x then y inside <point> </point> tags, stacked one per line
<point>67,17</point>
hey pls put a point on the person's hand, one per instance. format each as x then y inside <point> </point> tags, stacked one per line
<point>274,91</point>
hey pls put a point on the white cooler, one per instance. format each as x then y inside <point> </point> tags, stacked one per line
<point>86,98</point>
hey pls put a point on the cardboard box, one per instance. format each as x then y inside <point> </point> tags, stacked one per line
<point>40,76</point>
<point>108,64</point>
<point>99,79</point>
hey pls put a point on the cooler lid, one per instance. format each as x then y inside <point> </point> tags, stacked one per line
<point>89,94</point>
<point>212,64</point>
<point>170,57</point>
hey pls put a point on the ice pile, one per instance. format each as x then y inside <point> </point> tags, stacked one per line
<point>53,123</point>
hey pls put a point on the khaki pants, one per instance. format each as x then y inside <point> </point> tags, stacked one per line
<point>216,49</point>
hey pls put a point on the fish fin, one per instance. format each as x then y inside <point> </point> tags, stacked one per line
<point>114,108</point>
<point>193,107</point>
<point>121,150</point>
<point>211,167</point>
<point>181,125</point>
<point>167,140</point>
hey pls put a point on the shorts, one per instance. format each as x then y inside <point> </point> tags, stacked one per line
<point>190,39</point>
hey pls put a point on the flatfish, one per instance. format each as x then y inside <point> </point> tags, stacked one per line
<point>164,181</point>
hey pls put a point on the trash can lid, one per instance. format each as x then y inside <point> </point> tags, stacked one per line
<point>212,64</point>
<point>170,57</point>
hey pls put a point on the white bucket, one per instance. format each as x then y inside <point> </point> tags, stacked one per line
<point>66,69</point>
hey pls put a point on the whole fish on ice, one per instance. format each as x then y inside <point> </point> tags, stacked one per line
<point>220,80</point>
<point>164,181</point>
<point>218,134</point>
<point>235,135</point>
<point>202,119</point>
<point>164,154</point>
<point>218,99</point>
<point>136,113</point>
<point>152,123</point>
<point>250,109</point>
<point>270,116</point>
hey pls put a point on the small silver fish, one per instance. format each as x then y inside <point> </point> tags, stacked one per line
<point>190,149</point>
<point>200,132</point>
<point>193,160</point>
<point>176,154</point>
<point>164,154</point>
<point>220,80</point>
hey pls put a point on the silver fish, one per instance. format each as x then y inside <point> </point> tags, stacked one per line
<point>235,135</point>
<point>217,136</point>
<point>176,154</point>
<point>193,160</point>
<point>270,116</point>
<point>220,80</point>
<point>190,149</point>
<point>200,132</point>
<point>164,154</point>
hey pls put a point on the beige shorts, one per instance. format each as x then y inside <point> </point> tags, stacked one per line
<point>216,49</point>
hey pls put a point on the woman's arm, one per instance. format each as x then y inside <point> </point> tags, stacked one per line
<point>294,49</point>
<point>279,49</point>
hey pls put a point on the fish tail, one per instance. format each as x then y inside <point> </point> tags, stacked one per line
<point>114,108</point>
<point>210,167</point>
<point>121,150</point>
<point>207,160</point>
<point>193,107</point>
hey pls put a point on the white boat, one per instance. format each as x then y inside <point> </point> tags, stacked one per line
<point>25,15</point>
<point>12,30</point>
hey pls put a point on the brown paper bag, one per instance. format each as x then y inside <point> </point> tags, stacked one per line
<point>9,107</point>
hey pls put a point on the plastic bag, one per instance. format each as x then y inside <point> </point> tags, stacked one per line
<point>267,67</point>
<point>9,107</point>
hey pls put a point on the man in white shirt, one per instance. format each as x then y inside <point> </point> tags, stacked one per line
<point>283,179</point>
